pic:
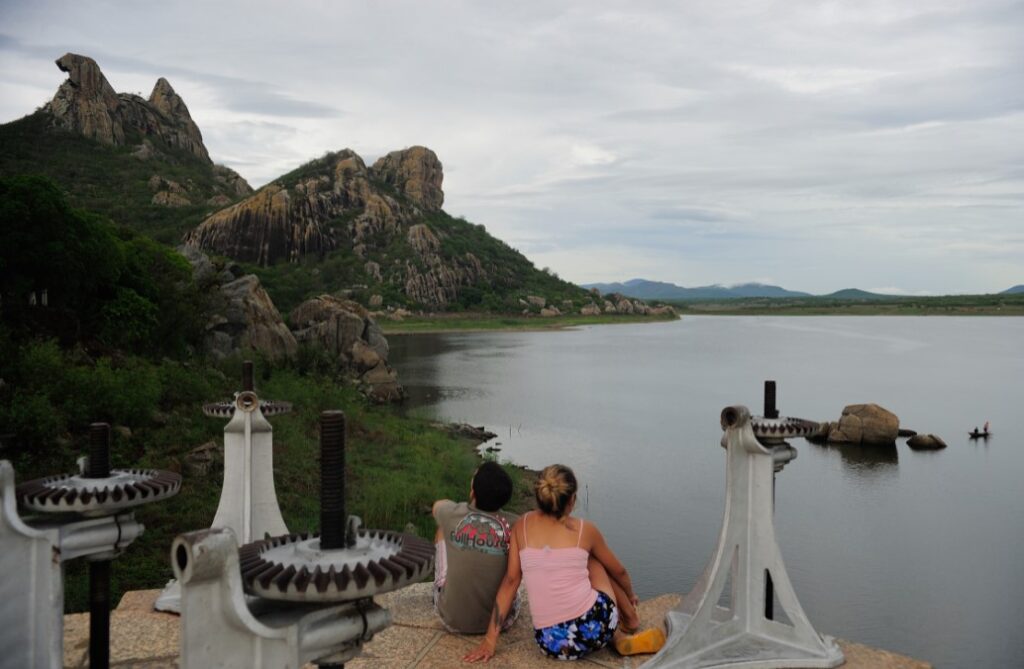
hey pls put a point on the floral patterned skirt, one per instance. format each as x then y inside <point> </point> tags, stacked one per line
<point>575,638</point>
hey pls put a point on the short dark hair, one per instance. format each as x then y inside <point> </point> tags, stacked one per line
<point>492,486</point>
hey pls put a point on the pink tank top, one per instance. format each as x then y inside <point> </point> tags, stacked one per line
<point>557,582</point>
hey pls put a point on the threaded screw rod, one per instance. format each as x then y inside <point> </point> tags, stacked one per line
<point>770,411</point>
<point>99,572</point>
<point>333,519</point>
<point>99,451</point>
<point>99,614</point>
<point>247,375</point>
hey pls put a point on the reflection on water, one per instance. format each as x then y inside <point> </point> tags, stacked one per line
<point>882,546</point>
<point>418,396</point>
<point>867,460</point>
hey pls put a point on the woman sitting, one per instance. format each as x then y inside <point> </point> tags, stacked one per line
<point>578,590</point>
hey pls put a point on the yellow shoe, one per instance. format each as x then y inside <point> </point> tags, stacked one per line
<point>649,641</point>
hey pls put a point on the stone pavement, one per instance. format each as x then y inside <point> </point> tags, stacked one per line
<point>144,639</point>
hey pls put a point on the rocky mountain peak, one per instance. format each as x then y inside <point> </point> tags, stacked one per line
<point>165,100</point>
<point>416,172</point>
<point>85,76</point>
<point>86,103</point>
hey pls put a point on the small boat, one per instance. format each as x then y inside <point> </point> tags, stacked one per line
<point>979,435</point>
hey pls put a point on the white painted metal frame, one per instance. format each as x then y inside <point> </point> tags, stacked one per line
<point>32,579</point>
<point>219,629</point>
<point>248,500</point>
<point>704,634</point>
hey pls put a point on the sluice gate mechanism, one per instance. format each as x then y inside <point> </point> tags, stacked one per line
<point>248,500</point>
<point>85,515</point>
<point>288,600</point>
<point>748,630</point>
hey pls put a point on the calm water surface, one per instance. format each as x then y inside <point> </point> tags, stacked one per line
<point>919,552</point>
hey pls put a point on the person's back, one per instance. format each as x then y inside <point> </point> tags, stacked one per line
<point>555,569</point>
<point>472,550</point>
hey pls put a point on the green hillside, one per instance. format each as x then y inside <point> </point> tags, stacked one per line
<point>109,180</point>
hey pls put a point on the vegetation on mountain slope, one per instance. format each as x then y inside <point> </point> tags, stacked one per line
<point>112,180</point>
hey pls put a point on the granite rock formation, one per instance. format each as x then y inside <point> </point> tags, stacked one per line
<point>926,442</point>
<point>865,424</point>
<point>346,331</point>
<point>416,172</point>
<point>86,103</point>
<point>240,314</point>
<point>341,203</point>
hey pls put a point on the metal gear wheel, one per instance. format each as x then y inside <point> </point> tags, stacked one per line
<point>246,401</point>
<point>123,489</point>
<point>782,428</point>
<point>294,567</point>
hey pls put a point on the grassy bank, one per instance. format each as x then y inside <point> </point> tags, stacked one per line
<point>397,466</point>
<point>483,322</point>
<point>945,305</point>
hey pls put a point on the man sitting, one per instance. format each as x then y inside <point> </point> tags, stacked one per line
<point>471,543</point>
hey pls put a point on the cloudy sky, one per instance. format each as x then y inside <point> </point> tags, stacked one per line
<point>815,145</point>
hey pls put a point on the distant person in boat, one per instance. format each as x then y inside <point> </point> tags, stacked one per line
<point>579,592</point>
<point>471,551</point>
<point>986,427</point>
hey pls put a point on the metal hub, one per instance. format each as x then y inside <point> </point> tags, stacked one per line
<point>124,488</point>
<point>295,568</point>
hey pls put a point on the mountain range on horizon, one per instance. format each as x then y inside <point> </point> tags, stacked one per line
<point>646,289</point>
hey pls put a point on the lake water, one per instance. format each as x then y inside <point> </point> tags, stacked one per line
<point>917,552</point>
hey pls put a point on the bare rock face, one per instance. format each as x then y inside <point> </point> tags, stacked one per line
<point>86,103</point>
<point>178,128</point>
<point>269,226</point>
<point>232,181</point>
<point>240,313</point>
<point>346,330</point>
<point>416,172</point>
<point>423,240</point>
<point>340,203</point>
<point>280,223</point>
<point>252,321</point>
<point>865,424</point>
<point>926,442</point>
<point>331,323</point>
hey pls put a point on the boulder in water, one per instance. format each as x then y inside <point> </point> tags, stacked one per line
<point>865,424</point>
<point>926,442</point>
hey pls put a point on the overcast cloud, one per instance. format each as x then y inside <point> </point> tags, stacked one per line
<point>816,145</point>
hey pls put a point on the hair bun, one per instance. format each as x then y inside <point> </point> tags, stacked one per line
<point>554,489</point>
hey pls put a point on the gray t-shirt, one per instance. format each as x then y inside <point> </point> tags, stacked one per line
<point>476,546</point>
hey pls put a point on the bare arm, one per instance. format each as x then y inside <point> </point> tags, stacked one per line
<point>433,511</point>
<point>502,603</point>
<point>603,554</point>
